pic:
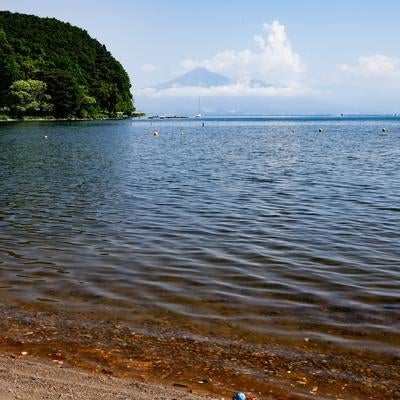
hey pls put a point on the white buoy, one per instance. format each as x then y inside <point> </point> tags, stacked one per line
<point>156,133</point>
<point>45,137</point>
<point>384,130</point>
<point>320,130</point>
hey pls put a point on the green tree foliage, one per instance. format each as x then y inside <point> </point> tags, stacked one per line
<point>82,77</point>
<point>29,97</point>
<point>8,67</point>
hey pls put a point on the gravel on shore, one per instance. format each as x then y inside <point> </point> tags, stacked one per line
<point>30,379</point>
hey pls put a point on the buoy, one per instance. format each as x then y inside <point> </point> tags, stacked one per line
<point>156,133</point>
<point>45,137</point>
<point>384,130</point>
<point>239,396</point>
<point>320,130</point>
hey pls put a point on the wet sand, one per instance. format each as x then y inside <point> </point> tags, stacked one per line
<point>29,379</point>
<point>277,369</point>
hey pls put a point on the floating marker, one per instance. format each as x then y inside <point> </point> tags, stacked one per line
<point>239,396</point>
<point>320,130</point>
<point>156,133</point>
<point>45,137</point>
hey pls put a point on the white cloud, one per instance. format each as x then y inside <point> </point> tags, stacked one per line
<point>240,89</point>
<point>273,70</point>
<point>273,62</point>
<point>376,65</point>
<point>149,67</point>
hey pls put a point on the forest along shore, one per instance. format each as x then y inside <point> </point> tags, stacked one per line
<point>52,69</point>
<point>64,119</point>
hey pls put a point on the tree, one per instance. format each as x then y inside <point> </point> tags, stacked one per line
<point>29,97</point>
<point>87,104</point>
<point>64,91</point>
<point>8,67</point>
<point>82,76</point>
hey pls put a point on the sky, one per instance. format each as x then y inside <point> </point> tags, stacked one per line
<point>315,56</point>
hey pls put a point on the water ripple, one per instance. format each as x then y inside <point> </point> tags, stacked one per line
<point>241,221</point>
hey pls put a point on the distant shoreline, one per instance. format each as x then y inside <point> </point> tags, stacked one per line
<point>67,119</point>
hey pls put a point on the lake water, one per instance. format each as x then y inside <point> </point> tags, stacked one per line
<point>261,233</point>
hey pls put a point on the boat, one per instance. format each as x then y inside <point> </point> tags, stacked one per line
<point>199,115</point>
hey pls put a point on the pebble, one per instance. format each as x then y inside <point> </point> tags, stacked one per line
<point>314,390</point>
<point>180,385</point>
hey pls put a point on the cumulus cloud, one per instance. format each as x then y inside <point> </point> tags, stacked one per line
<point>374,65</point>
<point>149,67</point>
<point>275,61</point>
<point>273,69</point>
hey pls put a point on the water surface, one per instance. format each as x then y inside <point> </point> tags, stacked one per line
<point>257,229</point>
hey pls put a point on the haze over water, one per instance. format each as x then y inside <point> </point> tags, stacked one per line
<point>262,225</point>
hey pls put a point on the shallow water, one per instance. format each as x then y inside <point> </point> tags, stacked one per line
<point>262,227</point>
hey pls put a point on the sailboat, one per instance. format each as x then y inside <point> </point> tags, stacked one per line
<point>199,115</point>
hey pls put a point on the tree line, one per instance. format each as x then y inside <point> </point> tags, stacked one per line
<point>51,68</point>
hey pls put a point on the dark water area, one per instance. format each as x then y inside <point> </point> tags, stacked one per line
<point>249,241</point>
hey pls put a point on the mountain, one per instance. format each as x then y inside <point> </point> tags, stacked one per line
<point>198,77</point>
<point>221,95</point>
<point>48,67</point>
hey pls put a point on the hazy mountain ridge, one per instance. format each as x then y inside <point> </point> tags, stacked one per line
<point>180,95</point>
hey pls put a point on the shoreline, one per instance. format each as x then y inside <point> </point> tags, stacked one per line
<point>65,119</point>
<point>209,365</point>
<point>26,378</point>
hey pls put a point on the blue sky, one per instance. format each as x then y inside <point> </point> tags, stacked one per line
<point>329,56</point>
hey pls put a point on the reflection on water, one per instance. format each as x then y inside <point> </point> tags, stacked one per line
<point>263,227</point>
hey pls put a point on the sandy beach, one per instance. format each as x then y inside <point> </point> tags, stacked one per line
<point>30,379</point>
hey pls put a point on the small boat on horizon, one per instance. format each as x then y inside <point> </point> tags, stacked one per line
<point>199,114</point>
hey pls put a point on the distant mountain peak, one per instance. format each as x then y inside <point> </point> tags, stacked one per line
<point>197,77</point>
<point>202,70</point>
